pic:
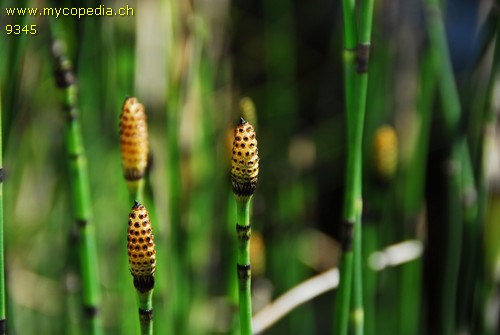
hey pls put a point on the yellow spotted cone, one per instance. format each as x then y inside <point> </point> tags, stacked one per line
<point>134,139</point>
<point>385,146</point>
<point>141,248</point>
<point>245,160</point>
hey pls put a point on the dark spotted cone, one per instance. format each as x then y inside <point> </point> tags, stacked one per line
<point>134,139</point>
<point>141,248</point>
<point>245,160</point>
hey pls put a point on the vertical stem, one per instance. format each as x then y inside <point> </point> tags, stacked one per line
<point>146,312</point>
<point>178,236</point>
<point>443,67</point>
<point>243,233</point>
<point>413,181</point>
<point>354,54</point>
<point>77,163</point>
<point>3,322</point>
<point>343,299</point>
<point>457,157</point>
<point>136,190</point>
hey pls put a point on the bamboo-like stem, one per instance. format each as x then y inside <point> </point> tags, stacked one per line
<point>81,198</point>
<point>244,231</point>
<point>343,299</point>
<point>356,87</point>
<point>362,59</point>
<point>145,301</point>
<point>3,321</point>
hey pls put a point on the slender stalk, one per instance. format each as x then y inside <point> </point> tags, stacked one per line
<point>343,299</point>
<point>136,190</point>
<point>178,235</point>
<point>243,230</point>
<point>362,60</point>
<point>443,67</point>
<point>81,198</point>
<point>355,109</point>
<point>413,181</point>
<point>146,312</point>
<point>244,174</point>
<point>3,321</point>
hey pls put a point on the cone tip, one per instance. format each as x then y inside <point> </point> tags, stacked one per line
<point>242,121</point>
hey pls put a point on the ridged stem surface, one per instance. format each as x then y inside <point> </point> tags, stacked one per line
<point>243,232</point>
<point>81,199</point>
<point>146,312</point>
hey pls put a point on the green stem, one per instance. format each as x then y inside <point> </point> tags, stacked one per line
<point>136,190</point>
<point>178,235</point>
<point>3,321</point>
<point>343,299</point>
<point>243,232</point>
<point>413,181</point>
<point>354,54</point>
<point>362,60</point>
<point>443,67</point>
<point>146,312</point>
<point>81,199</point>
<point>457,158</point>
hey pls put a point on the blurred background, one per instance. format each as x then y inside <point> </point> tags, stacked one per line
<point>191,62</point>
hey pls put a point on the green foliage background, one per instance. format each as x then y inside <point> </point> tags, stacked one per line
<point>190,62</point>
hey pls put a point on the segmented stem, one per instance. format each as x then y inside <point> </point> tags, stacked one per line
<point>77,163</point>
<point>146,312</point>
<point>243,233</point>
<point>356,60</point>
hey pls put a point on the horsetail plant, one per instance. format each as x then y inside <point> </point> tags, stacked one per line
<point>142,261</point>
<point>356,59</point>
<point>134,146</point>
<point>244,175</point>
<point>77,163</point>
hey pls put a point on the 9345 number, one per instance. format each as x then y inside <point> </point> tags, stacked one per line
<point>17,29</point>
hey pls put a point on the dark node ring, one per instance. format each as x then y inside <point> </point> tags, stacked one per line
<point>145,315</point>
<point>144,284</point>
<point>244,271</point>
<point>246,188</point>
<point>243,232</point>
<point>347,231</point>
<point>90,311</point>
<point>133,174</point>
